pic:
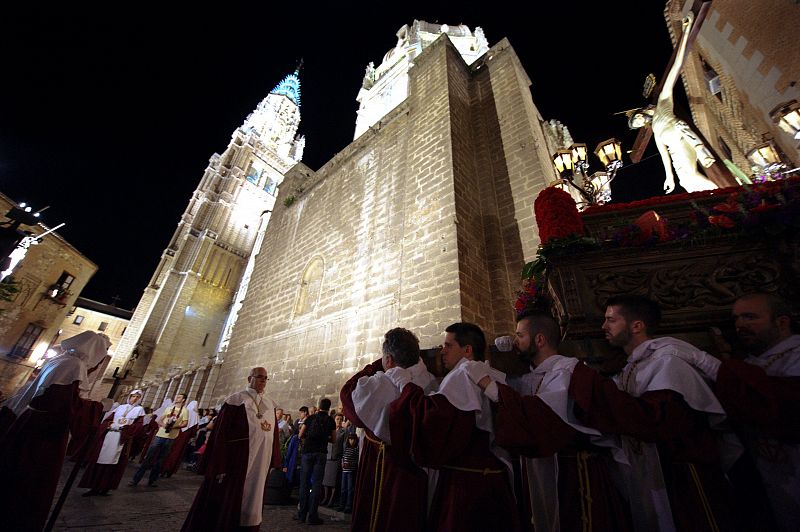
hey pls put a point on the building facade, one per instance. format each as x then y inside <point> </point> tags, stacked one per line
<point>178,326</point>
<point>424,220</point>
<point>743,64</point>
<point>47,274</point>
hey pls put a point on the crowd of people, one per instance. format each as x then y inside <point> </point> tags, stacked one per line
<point>677,440</point>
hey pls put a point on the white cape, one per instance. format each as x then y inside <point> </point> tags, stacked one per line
<point>550,382</point>
<point>259,454</point>
<point>653,365</point>
<point>373,394</point>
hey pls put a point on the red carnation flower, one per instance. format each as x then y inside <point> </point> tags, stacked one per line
<point>556,215</point>
<point>721,221</point>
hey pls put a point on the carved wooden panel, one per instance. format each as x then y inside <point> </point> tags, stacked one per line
<point>696,285</point>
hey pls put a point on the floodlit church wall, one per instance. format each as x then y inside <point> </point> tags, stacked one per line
<point>415,224</point>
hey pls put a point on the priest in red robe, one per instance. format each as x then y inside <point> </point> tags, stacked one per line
<point>108,457</point>
<point>390,490</point>
<point>761,394</point>
<point>47,412</point>
<point>665,412</point>
<point>452,431</point>
<point>239,454</point>
<point>570,484</point>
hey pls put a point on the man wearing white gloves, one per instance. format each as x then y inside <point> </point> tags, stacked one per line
<point>669,419</point>
<point>452,431</point>
<point>391,490</point>
<point>569,481</point>
<point>761,394</point>
<point>108,458</point>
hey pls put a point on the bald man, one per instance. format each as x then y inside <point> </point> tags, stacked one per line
<point>241,450</point>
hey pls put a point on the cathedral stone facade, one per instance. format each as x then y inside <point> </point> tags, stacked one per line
<point>193,297</point>
<point>424,220</point>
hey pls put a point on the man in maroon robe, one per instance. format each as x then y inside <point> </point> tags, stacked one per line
<point>47,411</point>
<point>761,394</point>
<point>665,412</point>
<point>451,430</point>
<point>108,456</point>
<point>390,490</point>
<point>239,454</point>
<point>568,475</point>
<point>141,441</point>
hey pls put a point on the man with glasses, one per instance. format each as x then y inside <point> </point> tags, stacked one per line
<point>240,452</point>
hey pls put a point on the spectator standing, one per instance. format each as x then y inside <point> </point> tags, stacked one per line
<point>329,481</point>
<point>174,419</point>
<point>300,420</point>
<point>349,469</point>
<point>316,432</point>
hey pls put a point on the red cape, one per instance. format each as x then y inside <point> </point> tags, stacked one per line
<point>473,491</point>
<point>218,503</point>
<point>400,503</point>
<point>32,453</point>
<point>104,477</point>
<point>687,447</point>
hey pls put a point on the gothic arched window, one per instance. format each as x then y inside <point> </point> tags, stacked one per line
<point>310,287</point>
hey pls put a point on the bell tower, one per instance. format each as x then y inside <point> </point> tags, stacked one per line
<point>203,273</point>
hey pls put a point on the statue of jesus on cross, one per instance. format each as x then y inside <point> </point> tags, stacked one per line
<point>679,146</point>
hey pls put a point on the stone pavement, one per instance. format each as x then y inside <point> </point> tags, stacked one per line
<point>162,508</point>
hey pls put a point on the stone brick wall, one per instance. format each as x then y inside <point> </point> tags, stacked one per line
<point>424,220</point>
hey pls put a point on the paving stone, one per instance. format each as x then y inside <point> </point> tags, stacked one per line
<point>162,508</point>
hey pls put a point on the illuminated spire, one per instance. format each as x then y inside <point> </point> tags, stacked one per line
<point>290,86</point>
<point>277,117</point>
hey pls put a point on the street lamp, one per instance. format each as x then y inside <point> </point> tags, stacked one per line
<point>10,233</point>
<point>767,162</point>
<point>594,189</point>
<point>787,116</point>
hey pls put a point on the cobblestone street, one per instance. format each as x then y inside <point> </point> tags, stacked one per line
<point>162,508</point>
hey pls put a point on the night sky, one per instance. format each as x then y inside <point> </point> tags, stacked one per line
<point>110,114</point>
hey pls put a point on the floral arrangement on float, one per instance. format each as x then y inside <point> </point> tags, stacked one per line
<point>770,208</point>
<point>560,231</point>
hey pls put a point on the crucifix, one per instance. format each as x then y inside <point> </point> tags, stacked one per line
<point>680,147</point>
